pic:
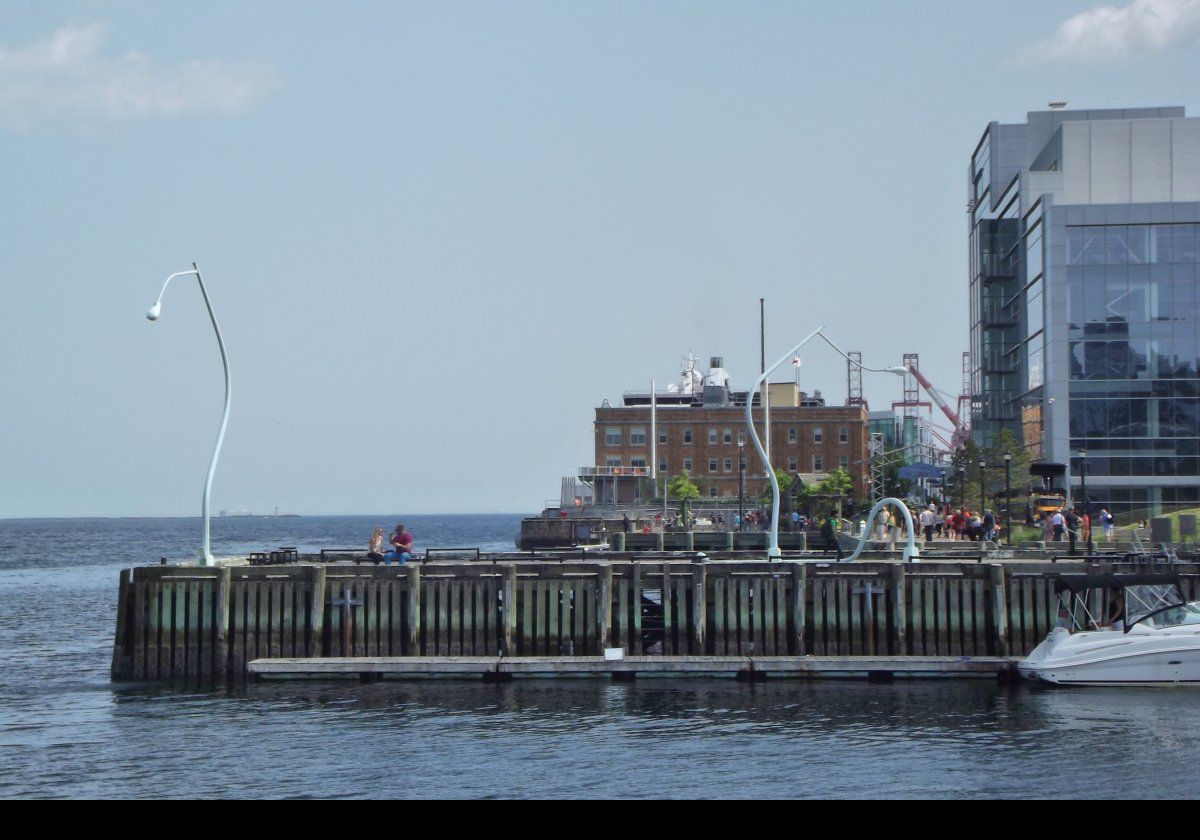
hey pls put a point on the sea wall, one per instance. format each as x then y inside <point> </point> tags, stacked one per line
<point>182,622</point>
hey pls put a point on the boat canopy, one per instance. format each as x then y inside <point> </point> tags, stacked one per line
<point>1145,594</point>
<point>1098,580</point>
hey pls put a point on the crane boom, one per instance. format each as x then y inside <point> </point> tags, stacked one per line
<point>960,431</point>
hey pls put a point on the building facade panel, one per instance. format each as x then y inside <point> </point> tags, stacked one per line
<point>817,440</point>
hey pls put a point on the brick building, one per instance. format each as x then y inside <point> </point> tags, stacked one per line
<point>699,430</point>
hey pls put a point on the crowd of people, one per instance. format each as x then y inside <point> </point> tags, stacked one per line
<point>933,522</point>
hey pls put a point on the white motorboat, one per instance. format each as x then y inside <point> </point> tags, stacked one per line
<point>1119,629</point>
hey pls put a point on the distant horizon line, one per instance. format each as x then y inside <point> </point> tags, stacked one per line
<point>263,515</point>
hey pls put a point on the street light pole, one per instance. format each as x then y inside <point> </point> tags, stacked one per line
<point>773,552</point>
<point>1083,492</point>
<point>982,475</point>
<point>741,483</point>
<point>1007,499</point>
<point>206,557</point>
<point>962,487</point>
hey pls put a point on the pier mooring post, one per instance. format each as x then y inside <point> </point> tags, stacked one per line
<point>317,633</point>
<point>604,606</point>
<point>221,654</point>
<point>700,606</point>
<point>799,594</point>
<point>413,573</point>
<point>510,609</point>
<point>999,608</point>
<point>899,610</point>
<point>120,667</point>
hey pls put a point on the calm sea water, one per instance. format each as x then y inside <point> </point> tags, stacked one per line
<point>66,731</point>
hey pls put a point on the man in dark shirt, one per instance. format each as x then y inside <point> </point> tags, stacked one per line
<point>402,542</point>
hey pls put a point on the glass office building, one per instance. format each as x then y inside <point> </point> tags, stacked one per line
<point>1084,287</point>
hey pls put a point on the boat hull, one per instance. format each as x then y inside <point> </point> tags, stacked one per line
<point>1110,657</point>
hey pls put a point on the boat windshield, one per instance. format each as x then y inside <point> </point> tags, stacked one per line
<point>1174,616</point>
<point>1148,601</point>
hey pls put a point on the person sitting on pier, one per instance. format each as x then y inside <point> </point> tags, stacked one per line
<point>402,542</point>
<point>375,548</point>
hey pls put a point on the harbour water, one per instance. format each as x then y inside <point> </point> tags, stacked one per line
<point>66,731</point>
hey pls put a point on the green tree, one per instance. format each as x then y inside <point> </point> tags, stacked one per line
<point>785,483</point>
<point>1005,442</point>
<point>832,490</point>
<point>962,484</point>
<point>685,490</point>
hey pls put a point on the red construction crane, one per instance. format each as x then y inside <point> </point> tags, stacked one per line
<point>961,432</point>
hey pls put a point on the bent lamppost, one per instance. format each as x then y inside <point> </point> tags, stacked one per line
<point>206,557</point>
<point>773,552</point>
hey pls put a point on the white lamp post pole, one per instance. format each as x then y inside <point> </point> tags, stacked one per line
<point>155,310</point>
<point>773,552</point>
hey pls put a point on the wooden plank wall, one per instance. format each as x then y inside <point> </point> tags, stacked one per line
<point>181,623</point>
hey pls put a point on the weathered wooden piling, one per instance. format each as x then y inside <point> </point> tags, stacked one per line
<point>189,623</point>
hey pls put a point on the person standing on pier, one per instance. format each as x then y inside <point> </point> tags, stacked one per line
<point>830,532</point>
<point>1073,523</point>
<point>1106,524</point>
<point>927,518</point>
<point>1057,521</point>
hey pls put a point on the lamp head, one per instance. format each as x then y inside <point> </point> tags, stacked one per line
<point>899,370</point>
<point>155,311</point>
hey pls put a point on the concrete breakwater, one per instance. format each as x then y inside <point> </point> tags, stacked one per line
<point>182,622</point>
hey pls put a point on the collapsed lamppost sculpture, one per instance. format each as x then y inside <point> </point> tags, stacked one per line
<point>153,314</point>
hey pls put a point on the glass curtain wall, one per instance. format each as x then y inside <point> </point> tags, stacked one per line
<point>1133,294</point>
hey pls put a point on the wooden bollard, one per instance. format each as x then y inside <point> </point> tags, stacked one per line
<point>799,593</point>
<point>729,540</point>
<point>619,541</point>
<point>413,573</point>
<point>999,608</point>
<point>604,608</point>
<point>510,610</point>
<point>316,637</point>
<point>221,652</point>
<point>899,611</point>
<point>691,540</point>
<point>700,606</point>
<point>658,541</point>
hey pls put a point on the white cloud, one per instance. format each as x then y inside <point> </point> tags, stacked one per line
<point>66,78</point>
<point>1107,32</point>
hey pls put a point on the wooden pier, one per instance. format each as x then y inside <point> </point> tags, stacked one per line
<point>203,624</point>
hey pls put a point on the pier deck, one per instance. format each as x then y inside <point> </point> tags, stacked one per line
<point>497,668</point>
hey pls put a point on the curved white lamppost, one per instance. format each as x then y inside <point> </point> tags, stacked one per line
<point>206,557</point>
<point>773,552</point>
<point>911,555</point>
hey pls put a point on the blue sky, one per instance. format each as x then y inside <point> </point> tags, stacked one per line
<point>438,234</point>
